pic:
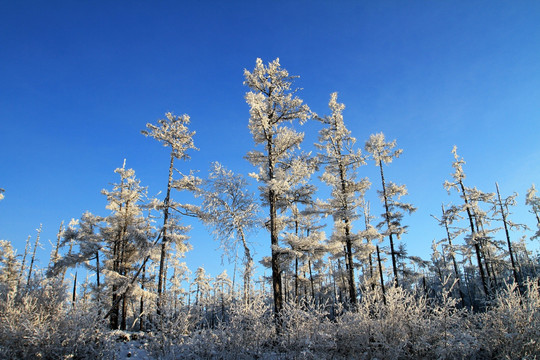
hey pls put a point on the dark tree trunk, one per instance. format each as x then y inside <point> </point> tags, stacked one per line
<point>163,254</point>
<point>476,244</point>
<point>387,217</point>
<point>74,294</point>
<point>33,256</point>
<point>381,275</point>
<point>141,303</point>
<point>509,243</point>
<point>275,262</point>
<point>454,262</point>
<point>311,281</point>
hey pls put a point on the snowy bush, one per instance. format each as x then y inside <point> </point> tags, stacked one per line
<point>249,331</point>
<point>306,330</point>
<point>39,325</point>
<point>407,327</point>
<point>510,329</point>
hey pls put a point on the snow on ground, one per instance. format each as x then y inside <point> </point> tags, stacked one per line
<point>131,346</point>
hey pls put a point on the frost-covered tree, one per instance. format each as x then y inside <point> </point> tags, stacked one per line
<point>180,275</point>
<point>33,258</point>
<point>222,296</point>
<point>303,236</point>
<point>84,235</point>
<point>383,152</point>
<point>172,132</point>
<point>273,104</point>
<point>534,202</point>
<point>230,210</point>
<point>293,210</point>
<point>23,262</point>
<point>202,285</point>
<point>55,254</point>
<point>341,160</point>
<point>457,184</point>
<point>370,235</point>
<point>446,220</point>
<point>9,267</point>
<point>501,208</point>
<point>126,236</point>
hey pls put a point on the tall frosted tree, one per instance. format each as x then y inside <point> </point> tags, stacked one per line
<point>172,132</point>
<point>303,235</point>
<point>383,152</point>
<point>273,105</point>
<point>126,238</point>
<point>230,210</point>
<point>457,184</point>
<point>341,160</point>
<point>448,217</point>
<point>371,235</point>
<point>501,207</point>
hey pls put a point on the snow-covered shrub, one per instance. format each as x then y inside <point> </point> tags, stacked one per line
<point>249,332</point>
<point>510,329</point>
<point>447,331</point>
<point>170,333</point>
<point>251,327</point>
<point>306,330</point>
<point>38,325</point>
<point>407,327</point>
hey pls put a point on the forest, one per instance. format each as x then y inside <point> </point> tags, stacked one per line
<point>339,282</point>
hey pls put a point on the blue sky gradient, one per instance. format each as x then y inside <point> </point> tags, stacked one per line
<point>80,79</point>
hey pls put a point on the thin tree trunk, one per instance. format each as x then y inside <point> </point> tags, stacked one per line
<point>23,263</point>
<point>484,248</point>
<point>311,280</point>
<point>124,313</point>
<point>344,283</point>
<point>454,262</point>
<point>473,238</point>
<point>352,282</point>
<point>381,275</point>
<point>123,268</point>
<point>69,254</point>
<point>74,294</point>
<point>115,310</point>
<point>163,254</point>
<point>366,222</point>
<point>296,299</point>
<point>285,288</point>
<point>348,242</point>
<point>509,243</point>
<point>141,303</point>
<point>248,268</point>
<point>387,217</point>
<point>33,255</point>
<point>275,262</point>
<point>332,275</point>
<point>97,274</point>
<point>54,257</point>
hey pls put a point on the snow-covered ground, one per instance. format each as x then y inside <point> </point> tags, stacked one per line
<point>131,345</point>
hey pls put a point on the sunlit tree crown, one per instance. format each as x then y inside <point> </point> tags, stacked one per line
<point>382,150</point>
<point>173,131</point>
<point>272,102</point>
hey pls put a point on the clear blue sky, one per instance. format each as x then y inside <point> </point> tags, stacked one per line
<point>80,79</point>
